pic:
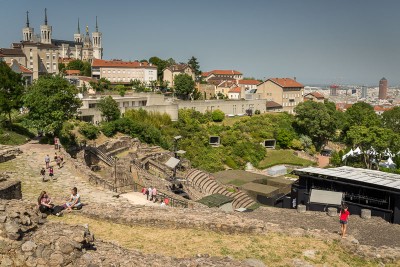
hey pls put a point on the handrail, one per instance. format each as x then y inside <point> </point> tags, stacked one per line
<point>107,159</point>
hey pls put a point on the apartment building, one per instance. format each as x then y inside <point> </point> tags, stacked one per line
<point>172,71</point>
<point>286,92</point>
<point>120,72</point>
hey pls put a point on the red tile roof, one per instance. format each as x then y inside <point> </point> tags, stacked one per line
<point>317,95</point>
<point>285,82</point>
<point>249,82</point>
<point>25,70</point>
<point>382,108</point>
<point>235,90</point>
<point>343,106</point>
<point>121,64</point>
<point>72,72</point>
<point>272,104</point>
<point>221,72</point>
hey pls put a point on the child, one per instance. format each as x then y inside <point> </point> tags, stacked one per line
<point>343,219</point>
<point>43,174</point>
<point>74,201</point>
<point>51,173</point>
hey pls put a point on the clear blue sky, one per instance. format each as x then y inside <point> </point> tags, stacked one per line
<point>318,41</point>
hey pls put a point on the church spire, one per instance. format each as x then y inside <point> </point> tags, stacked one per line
<point>27,19</point>
<point>79,28</point>
<point>45,16</point>
<point>97,27</point>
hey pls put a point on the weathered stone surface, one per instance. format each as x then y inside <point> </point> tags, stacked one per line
<point>365,213</point>
<point>332,212</point>
<point>301,208</point>
<point>28,246</point>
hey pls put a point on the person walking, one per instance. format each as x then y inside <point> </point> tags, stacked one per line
<point>150,195</point>
<point>154,194</point>
<point>51,173</point>
<point>55,142</point>
<point>47,161</point>
<point>343,219</point>
<point>43,174</point>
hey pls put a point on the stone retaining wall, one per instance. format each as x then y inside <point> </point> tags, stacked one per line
<point>10,190</point>
<point>8,153</point>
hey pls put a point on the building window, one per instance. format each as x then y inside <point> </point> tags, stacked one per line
<point>109,72</point>
<point>54,57</point>
<point>93,105</point>
<point>47,56</point>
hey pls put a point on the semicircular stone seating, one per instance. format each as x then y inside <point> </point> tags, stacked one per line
<point>205,184</point>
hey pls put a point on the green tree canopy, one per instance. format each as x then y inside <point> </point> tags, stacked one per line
<point>184,85</point>
<point>314,119</point>
<point>11,90</point>
<point>362,114</point>
<point>100,85</point>
<point>194,64</point>
<point>109,108</point>
<point>51,100</point>
<point>217,115</point>
<point>391,119</point>
<point>365,138</point>
<point>83,66</point>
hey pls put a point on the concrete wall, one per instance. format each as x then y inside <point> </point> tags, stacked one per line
<point>234,107</point>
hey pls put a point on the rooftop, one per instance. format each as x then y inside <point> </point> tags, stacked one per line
<point>221,72</point>
<point>121,64</point>
<point>285,82</point>
<point>249,82</point>
<point>372,177</point>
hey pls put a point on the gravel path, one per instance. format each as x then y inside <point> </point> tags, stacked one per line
<point>26,167</point>
<point>375,232</point>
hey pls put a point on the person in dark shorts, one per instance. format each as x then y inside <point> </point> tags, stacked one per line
<point>343,219</point>
<point>43,174</point>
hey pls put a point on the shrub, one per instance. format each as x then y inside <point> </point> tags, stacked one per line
<point>257,112</point>
<point>296,144</point>
<point>108,129</point>
<point>284,138</point>
<point>217,115</point>
<point>89,130</point>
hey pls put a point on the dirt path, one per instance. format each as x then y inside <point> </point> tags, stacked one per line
<point>26,167</point>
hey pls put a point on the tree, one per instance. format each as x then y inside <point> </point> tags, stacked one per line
<point>138,86</point>
<point>161,65</point>
<point>121,89</point>
<point>83,66</point>
<point>284,137</point>
<point>362,114</point>
<point>51,100</point>
<point>11,90</point>
<point>314,119</point>
<point>109,108</point>
<point>217,115</point>
<point>194,64</point>
<point>391,119</point>
<point>100,85</point>
<point>365,138</point>
<point>61,67</point>
<point>184,85</point>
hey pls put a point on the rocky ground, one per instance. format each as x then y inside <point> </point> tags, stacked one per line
<point>374,232</point>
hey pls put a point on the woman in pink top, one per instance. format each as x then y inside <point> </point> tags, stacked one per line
<point>343,219</point>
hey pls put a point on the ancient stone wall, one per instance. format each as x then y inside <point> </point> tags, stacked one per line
<point>10,190</point>
<point>27,239</point>
<point>8,153</point>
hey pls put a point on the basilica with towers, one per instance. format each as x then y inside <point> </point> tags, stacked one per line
<point>40,53</point>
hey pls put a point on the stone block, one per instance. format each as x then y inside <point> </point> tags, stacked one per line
<point>365,213</point>
<point>332,212</point>
<point>301,208</point>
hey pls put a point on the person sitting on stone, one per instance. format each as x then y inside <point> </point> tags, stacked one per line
<point>74,201</point>
<point>44,203</point>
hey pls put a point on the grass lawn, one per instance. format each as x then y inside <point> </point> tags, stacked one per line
<point>274,249</point>
<point>12,138</point>
<point>276,157</point>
